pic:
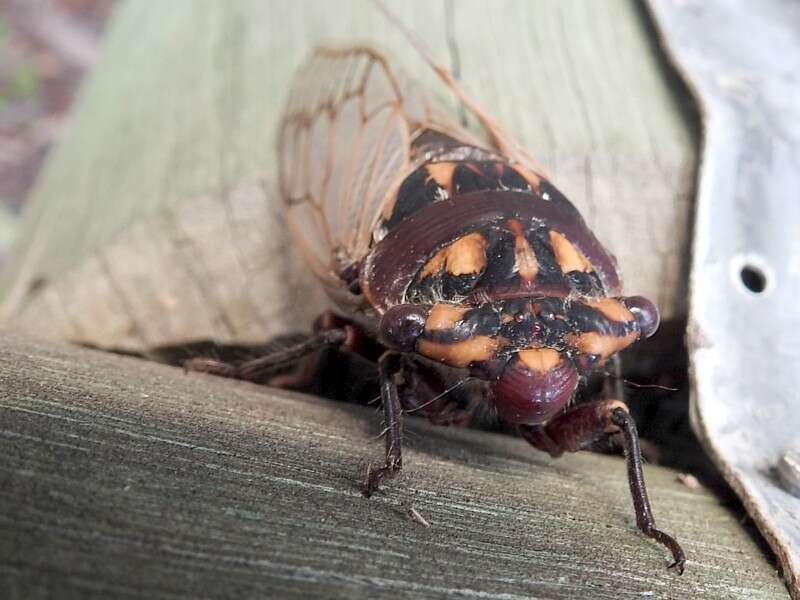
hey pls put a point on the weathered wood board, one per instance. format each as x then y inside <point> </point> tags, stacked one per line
<point>156,220</point>
<point>122,478</point>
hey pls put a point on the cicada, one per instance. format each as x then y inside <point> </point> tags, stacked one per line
<point>449,257</point>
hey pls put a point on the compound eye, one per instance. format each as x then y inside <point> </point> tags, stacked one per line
<point>401,326</point>
<point>645,313</point>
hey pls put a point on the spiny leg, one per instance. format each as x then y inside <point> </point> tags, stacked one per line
<point>388,366</point>
<point>585,424</point>
<point>253,369</point>
<point>641,504</point>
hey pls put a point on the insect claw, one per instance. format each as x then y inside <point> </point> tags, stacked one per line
<point>678,566</point>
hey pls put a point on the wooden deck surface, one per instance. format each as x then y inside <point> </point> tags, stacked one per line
<point>123,478</point>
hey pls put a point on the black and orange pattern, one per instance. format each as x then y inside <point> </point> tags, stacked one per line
<point>457,257</point>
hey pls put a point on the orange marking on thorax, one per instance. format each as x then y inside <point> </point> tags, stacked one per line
<point>525,262</point>
<point>442,173</point>
<point>568,257</point>
<point>434,265</point>
<point>465,256</point>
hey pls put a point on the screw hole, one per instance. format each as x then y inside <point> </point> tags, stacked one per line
<point>753,279</point>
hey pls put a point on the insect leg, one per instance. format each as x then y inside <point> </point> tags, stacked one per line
<point>583,425</point>
<point>641,504</point>
<point>253,369</point>
<point>389,365</point>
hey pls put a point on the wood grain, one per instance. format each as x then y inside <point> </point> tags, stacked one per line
<point>156,219</point>
<point>123,478</point>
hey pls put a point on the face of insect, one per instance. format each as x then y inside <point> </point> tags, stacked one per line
<point>533,350</point>
<point>509,285</point>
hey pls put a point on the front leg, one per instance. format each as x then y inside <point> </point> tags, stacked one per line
<point>389,365</point>
<point>585,424</point>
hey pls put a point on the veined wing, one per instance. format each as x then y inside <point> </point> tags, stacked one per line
<point>345,145</point>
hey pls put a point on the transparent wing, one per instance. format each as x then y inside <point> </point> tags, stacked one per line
<point>345,145</point>
<point>500,139</point>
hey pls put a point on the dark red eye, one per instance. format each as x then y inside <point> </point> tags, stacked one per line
<point>401,326</point>
<point>645,313</point>
<point>535,385</point>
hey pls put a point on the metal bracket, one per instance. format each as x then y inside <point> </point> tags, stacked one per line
<point>742,61</point>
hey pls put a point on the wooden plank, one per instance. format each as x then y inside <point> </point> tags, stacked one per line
<point>156,219</point>
<point>126,478</point>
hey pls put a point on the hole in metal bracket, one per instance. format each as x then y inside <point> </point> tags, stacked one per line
<point>753,278</point>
